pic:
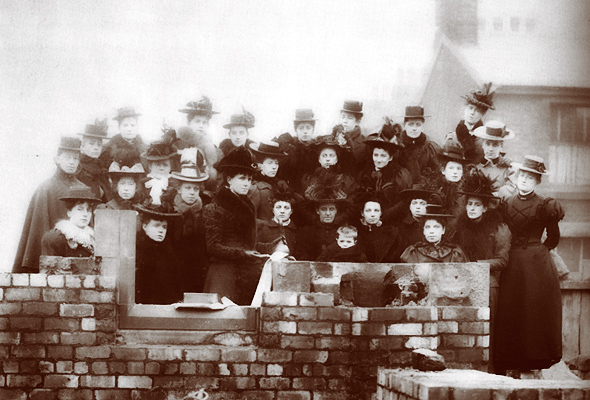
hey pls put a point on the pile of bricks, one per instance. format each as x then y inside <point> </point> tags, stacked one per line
<point>59,340</point>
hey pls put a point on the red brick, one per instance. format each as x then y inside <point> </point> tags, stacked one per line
<point>171,368</point>
<point>337,384</point>
<point>458,341</point>
<point>316,299</point>
<point>135,368</point>
<point>62,324</point>
<point>459,313</point>
<point>78,338</point>
<point>129,353</point>
<point>335,314</point>
<point>270,313</point>
<point>237,383</point>
<point>293,395</point>
<point>93,352</point>
<point>76,310</point>
<point>105,311</point>
<point>117,367</point>
<point>99,368</point>
<point>60,352</point>
<point>274,355</point>
<point>421,314</point>
<point>9,338</point>
<point>61,381</point>
<point>46,367</point>
<point>300,313</point>
<point>369,329</point>
<point>206,369</point>
<point>3,324</point>
<point>387,314</point>
<point>388,343</point>
<point>297,342</point>
<point>22,294</point>
<point>188,368</point>
<point>75,394</point>
<point>94,381</point>
<point>310,356</point>
<point>43,394</point>
<point>343,329</point>
<point>339,357</point>
<point>152,368</point>
<point>134,382</point>
<point>113,394</point>
<point>106,325</point>
<point>203,354</point>
<point>168,382</point>
<point>40,308</point>
<point>470,355</point>
<point>12,394</point>
<point>333,342</point>
<point>41,338</point>
<point>238,355</point>
<point>309,383</point>
<point>10,367</point>
<point>198,382</point>
<point>274,383</point>
<point>478,328</point>
<point>333,396</point>
<point>26,323</point>
<point>314,328</point>
<point>257,369</point>
<point>60,295</point>
<point>24,381</point>
<point>29,366</point>
<point>9,308</point>
<point>28,351</point>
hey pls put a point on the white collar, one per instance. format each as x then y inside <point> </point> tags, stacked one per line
<point>74,235</point>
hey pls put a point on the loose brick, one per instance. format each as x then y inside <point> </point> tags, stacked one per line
<point>61,381</point>
<point>28,351</point>
<point>293,395</point>
<point>60,295</point>
<point>134,382</point>
<point>300,313</point>
<point>93,352</point>
<point>314,328</point>
<point>94,381</point>
<point>28,381</point>
<point>404,329</point>
<point>387,314</point>
<point>26,323</point>
<point>297,342</point>
<point>274,355</point>
<point>310,356</point>
<point>238,355</point>
<point>335,314</point>
<point>78,338</point>
<point>270,299</point>
<point>274,383</point>
<point>309,384</point>
<point>203,354</point>
<point>61,324</point>
<point>5,279</point>
<point>316,299</point>
<point>20,279</point>
<point>43,394</point>
<point>10,337</point>
<point>76,310</point>
<point>41,338</point>
<point>425,342</point>
<point>459,340</point>
<point>22,294</point>
<point>164,354</point>
<point>60,352</point>
<point>56,281</point>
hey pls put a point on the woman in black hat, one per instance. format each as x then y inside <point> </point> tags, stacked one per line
<point>125,173</point>
<point>281,225</point>
<point>127,140</point>
<point>238,132</point>
<point>73,237</point>
<point>528,325</point>
<point>160,157</point>
<point>230,225</point>
<point>92,171</point>
<point>351,115</point>
<point>453,163</point>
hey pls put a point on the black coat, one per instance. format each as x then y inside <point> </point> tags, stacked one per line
<point>419,154</point>
<point>118,146</point>
<point>382,244</point>
<point>66,240</point>
<point>93,174</point>
<point>389,180</point>
<point>471,144</point>
<point>334,253</point>
<point>226,146</point>
<point>269,231</point>
<point>313,239</point>
<point>302,160</point>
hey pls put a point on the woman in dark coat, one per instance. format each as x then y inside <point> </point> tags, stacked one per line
<point>230,225</point>
<point>528,324</point>
<point>125,176</point>
<point>92,172</point>
<point>281,225</point>
<point>238,133</point>
<point>128,140</point>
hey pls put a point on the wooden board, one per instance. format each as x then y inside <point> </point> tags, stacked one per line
<point>571,301</point>
<point>585,323</point>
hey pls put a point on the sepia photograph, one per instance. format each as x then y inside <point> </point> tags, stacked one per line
<point>295,200</point>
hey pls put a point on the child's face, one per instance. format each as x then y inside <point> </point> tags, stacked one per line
<point>372,212</point>
<point>91,146</point>
<point>126,187</point>
<point>189,192</point>
<point>381,158</point>
<point>240,183</point>
<point>492,148</point>
<point>269,167</point>
<point>80,215</point>
<point>475,208</point>
<point>346,241</point>
<point>68,161</point>
<point>238,135</point>
<point>304,131</point>
<point>414,127</point>
<point>327,212</point>
<point>433,231</point>
<point>418,207</point>
<point>348,121</point>
<point>328,157</point>
<point>282,210</point>
<point>453,171</point>
<point>200,124</point>
<point>128,128</point>
<point>160,168</point>
<point>472,114</point>
<point>156,230</point>
<point>526,181</point>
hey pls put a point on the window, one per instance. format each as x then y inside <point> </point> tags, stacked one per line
<point>115,243</point>
<point>571,123</point>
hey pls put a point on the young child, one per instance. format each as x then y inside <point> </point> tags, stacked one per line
<point>157,279</point>
<point>92,171</point>
<point>495,165</point>
<point>159,156</point>
<point>432,248</point>
<point>238,132</point>
<point>127,140</point>
<point>125,174</point>
<point>419,152</point>
<point>281,225</point>
<point>351,115</point>
<point>268,157</point>
<point>73,237</point>
<point>345,249</point>
<point>189,239</point>
<point>45,209</point>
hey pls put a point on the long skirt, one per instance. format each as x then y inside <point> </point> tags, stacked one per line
<point>528,319</point>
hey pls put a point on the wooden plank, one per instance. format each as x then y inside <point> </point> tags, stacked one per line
<point>572,284</point>
<point>585,269</point>
<point>585,324</point>
<point>106,232</point>
<point>571,301</point>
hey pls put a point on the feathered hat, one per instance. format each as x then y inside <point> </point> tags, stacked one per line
<point>477,184</point>
<point>126,112</point>
<point>267,149</point>
<point>125,163</point>
<point>162,149</point>
<point>245,119</point>
<point>193,166</point>
<point>240,159</point>
<point>428,188</point>
<point>481,98</point>
<point>203,106</point>
<point>97,130</point>
<point>388,138</point>
<point>160,208</point>
<point>327,190</point>
<point>453,151</point>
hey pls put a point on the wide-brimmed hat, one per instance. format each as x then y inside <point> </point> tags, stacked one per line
<point>304,115</point>
<point>477,184</point>
<point>164,148</point>
<point>126,112</point>
<point>203,106</point>
<point>97,130</point>
<point>419,191</point>
<point>436,211</point>
<point>265,150</point>
<point>353,107</point>
<point>161,211</point>
<point>118,170</point>
<point>533,164</point>
<point>240,159</point>
<point>69,143</point>
<point>321,194</point>
<point>414,112</point>
<point>81,193</point>
<point>482,97</point>
<point>453,151</point>
<point>245,119</point>
<point>494,130</point>
<point>388,138</point>
<point>193,166</point>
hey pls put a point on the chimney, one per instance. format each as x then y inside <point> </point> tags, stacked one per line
<point>457,20</point>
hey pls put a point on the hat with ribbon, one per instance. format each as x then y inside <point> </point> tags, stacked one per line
<point>265,150</point>
<point>81,193</point>
<point>203,106</point>
<point>482,97</point>
<point>126,112</point>
<point>193,166</point>
<point>353,107</point>
<point>97,130</point>
<point>413,112</point>
<point>533,164</point>
<point>494,130</point>
<point>453,151</point>
<point>388,138</point>
<point>304,115</point>
<point>240,159</point>
<point>245,119</point>
<point>115,169</point>
<point>69,143</point>
<point>477,184</point>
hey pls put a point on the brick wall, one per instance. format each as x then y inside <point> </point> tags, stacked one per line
<point>58,340</point>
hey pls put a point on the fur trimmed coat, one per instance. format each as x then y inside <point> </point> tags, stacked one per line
<point>93,174</point>
<point>117,145</point>
<point>45,210</point>
<point>419,154</point>
<point>67,240</point>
